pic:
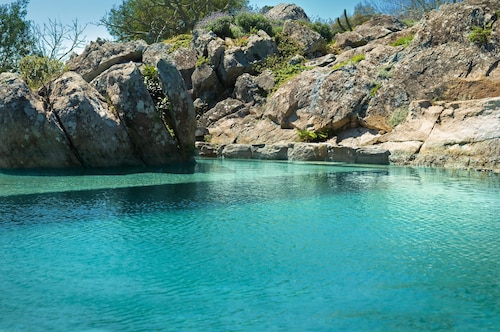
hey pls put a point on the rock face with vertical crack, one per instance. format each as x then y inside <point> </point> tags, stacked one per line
<point>100,115</point>
<point>29,136</point>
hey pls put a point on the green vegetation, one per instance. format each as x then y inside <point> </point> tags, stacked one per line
<point>352,61</point>
<point>162,103</point>
<point>306,135</point>
<point>179,41</point>
<point>221,26</point>
<point>315,136</point>
<point>480,36</point>
<point>374,89</point>
<point>385,72</point>
<point>251,22</point>
<point>240,41</point>
<point>16,40</point>
<point>202,61</point>
<point>284,73</point>
<point>398,116</point>
<point>403,41</point>
<point>280,64</point>
<point>347,22</point>
<point>324,29</point>
<point>37,71</point>
<point>153,20</point>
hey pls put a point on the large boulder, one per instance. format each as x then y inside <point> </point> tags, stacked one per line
<point>467,134</point>
<point>206,84</point>
<point>285,11</point>
<point>376,28</point>
<point>320,98</point>
<point>101,55</point>
<point>311,42</point>
<point>30,137</point>
<point>93,128</point>
<point>239,60</point>
<point>124,86</point>
<point>182,116</point>
<point>184,59</point>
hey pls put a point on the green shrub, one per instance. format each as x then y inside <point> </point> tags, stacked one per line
<point>405,41</point>
<point>38,71</point>
<point>398,116</point>
<point>324,29</point>
<point>251,22</point>
<point>162,103</point>
<point>221,26</point>
<point>315,136</point>
<point>179,41</point>
<point>374,89</point>
<point>480,36</point>
<point>202,61</point>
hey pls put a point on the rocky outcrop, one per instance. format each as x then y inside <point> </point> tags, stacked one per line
<point>124,86</point>
<point>420,95</point>
<point>29,137</point>
<point>376,28</point>
<point>358,96</point>
<point>239,60</point>
<point>448,134</point>
<point>101,114</point>
<point>311,42</point>
<point>283,12</point>
<point>102,55</point>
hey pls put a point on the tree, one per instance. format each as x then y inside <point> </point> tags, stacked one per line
<point>16,40</point>
<point>154,20</point>
<point>56,40</point>
<point>413,9</point>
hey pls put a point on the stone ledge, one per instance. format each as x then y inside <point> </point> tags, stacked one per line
<point>295,152</point>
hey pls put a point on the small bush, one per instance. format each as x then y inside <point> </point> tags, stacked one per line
<point>202,61</point>
<point>251,22</point>
<point>154,86</point>
<point>320,135</point>
<point>374,89</point>
<point>221,26</point>
<point>404,41</point>
<point>324,29</point>
<point>38,71</point>
<point>179,41</point>
<point>398,116</point>
<point>480,36</point>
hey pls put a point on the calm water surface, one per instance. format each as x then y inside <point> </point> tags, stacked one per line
<point>251,246</point>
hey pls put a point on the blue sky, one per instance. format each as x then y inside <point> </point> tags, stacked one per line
<point>90,11</point>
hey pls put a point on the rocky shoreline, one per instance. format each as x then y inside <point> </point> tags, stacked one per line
<point>432,101</point>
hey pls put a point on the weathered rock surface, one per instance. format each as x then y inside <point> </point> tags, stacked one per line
<point>430,101</point>
<point>311,42</point>
<point>94,130</point>
<point>376,28</point>
<point>296,152</point>
<point>239,60</point>
<point>182,113</point>
<point>357,94</point>
<point>283,11</point>
<point>124,86</point>
<point>29,137</point>
<point>102,55</point>
<point>105,118</point>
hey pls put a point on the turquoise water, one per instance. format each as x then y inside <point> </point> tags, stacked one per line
<point>251,246</point>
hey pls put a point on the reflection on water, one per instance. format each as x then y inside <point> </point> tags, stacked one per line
<point>251,246</point>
